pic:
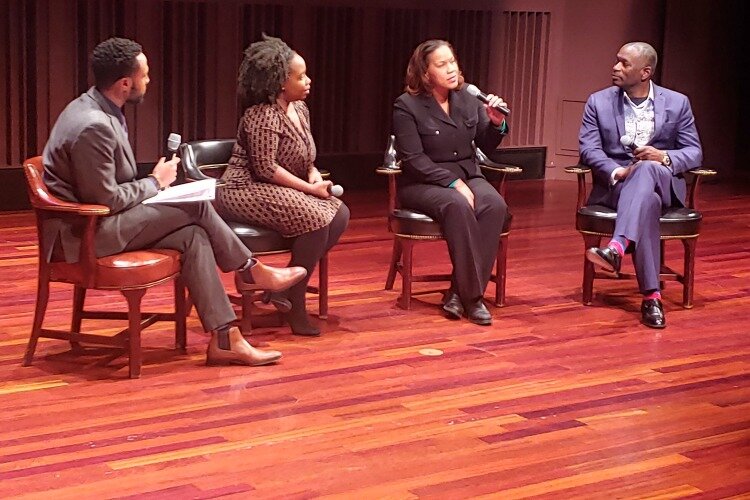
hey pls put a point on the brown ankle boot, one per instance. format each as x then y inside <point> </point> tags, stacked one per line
<point>262,277</point>
<point>239,353</point>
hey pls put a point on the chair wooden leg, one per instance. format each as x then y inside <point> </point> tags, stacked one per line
<point>180,311</point>
<point>689,272</point>
<point>42,297</point>
<point>662,261</point>
<point>407,251</point>
<point>134,298</point>
<point>500,271</point>
<point>395,259</point>
<point>323,287</point>
<point>246,324</point>
<point>588,268</point>
<point>79,298</point>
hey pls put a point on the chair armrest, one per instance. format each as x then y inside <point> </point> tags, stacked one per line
<point>199,173</point>
<point>491,166</point>
<point>697,175</point>
<point>391,172</point>
<point>387,171</point>
<point>703,172</point>
<point>56,205</point>
<point>580,171</point>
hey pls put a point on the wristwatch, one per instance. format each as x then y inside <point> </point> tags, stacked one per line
<point>666,160</point>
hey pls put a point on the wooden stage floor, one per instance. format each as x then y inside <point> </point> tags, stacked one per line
<point>555,399</point>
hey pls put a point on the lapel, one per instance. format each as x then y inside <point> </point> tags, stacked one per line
<point>104,105</point>
<point>618,112</point>
<point>660,103</point>
<point>434,109</point>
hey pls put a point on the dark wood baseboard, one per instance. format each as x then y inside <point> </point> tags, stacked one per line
<point>14,190</point>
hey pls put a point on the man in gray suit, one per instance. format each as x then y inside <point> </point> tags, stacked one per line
<point>639,139</point>
<point>88,159</point>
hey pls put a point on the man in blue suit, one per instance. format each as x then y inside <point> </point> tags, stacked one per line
<point>639,139</point>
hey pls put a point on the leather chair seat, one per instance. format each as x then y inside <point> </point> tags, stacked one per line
<point>261,239</point>
<point>674,222</point>
<point>121,271</point>
<point>413,223</point>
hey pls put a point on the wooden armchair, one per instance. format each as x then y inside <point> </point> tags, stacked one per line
<point>130,273</point>
<point>410,227</point>
<point>683,224</point>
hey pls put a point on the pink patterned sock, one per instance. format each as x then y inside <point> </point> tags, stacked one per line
<point>617,246</point>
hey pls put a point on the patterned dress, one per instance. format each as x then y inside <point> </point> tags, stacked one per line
<point>267,139</point>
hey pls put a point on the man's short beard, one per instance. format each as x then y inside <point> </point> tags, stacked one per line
<point>136,99</point>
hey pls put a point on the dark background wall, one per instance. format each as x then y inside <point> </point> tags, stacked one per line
<point>544,56</point>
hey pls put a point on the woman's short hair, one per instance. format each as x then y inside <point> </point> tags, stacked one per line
<point>417,81</point>
<point>263,71</point>
<point>113,59</point>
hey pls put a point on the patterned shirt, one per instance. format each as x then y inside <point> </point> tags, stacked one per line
<point>639,118</point>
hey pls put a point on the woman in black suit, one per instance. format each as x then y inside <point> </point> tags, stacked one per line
<point>435,122</point>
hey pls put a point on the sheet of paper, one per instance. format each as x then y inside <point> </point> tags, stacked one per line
<point>204,190</point>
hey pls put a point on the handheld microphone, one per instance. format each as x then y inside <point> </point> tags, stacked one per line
<point>473,90</point>
<point>628,142</point>
<point>173,142</point>
<point>335,190</point>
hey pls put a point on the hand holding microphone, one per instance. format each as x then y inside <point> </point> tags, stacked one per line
<point>642,153</point>
<point>326,189</point>
<point>165,171</point>
<point>494,102</point>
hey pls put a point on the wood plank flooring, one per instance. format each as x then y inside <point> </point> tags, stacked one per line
<point>555,400</point>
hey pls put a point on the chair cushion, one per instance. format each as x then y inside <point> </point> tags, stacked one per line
<point>414,223</point>
<point>674,222</point>
<point>261,239</point>
<point>137,269</point>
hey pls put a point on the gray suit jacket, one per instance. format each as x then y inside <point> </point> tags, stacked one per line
<point>604,123</point>
<point>88,159</point>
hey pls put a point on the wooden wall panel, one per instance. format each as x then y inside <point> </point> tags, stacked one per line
<point>356,56</point>
<point>407,28</point>
<point>333,62</point>
<point>525,54</point>
<point>469,33</point>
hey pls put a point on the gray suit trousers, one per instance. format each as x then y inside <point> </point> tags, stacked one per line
<point>196,230</point>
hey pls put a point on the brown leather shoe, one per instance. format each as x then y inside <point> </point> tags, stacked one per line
<point>273,279</point>
<point>239,353</point>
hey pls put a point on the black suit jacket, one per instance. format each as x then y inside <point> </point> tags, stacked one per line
<point>435,148</point>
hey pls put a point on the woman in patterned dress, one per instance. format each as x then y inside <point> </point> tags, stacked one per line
<point>271,179</point>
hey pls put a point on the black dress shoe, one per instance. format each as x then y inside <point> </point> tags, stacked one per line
<point>478,313</point>
<point>652,313</point>
<point>607,258</point>
<point>452,305</point>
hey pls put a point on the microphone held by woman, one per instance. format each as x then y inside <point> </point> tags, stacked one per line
<point>474,91</point>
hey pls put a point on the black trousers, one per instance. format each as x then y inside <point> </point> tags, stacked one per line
<point>308,249</point>
<point>473,236</point>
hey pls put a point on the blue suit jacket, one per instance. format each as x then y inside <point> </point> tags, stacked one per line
<point>604,124</point>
